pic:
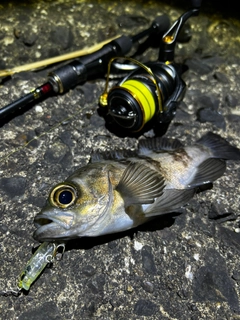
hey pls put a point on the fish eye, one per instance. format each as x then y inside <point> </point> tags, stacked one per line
<point>63,196</point>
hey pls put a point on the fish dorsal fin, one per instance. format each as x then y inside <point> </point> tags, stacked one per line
<point>140,184</point>
<point>158,144</point>
<point>112,155</point>
<point>170,200</point>
<point>208,171</point>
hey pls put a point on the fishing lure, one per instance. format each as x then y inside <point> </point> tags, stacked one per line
<point>36,264</point>
<point>45,254</point>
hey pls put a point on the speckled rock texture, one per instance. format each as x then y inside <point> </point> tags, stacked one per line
<point>181,266</point>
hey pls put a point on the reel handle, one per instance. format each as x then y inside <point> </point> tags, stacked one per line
<point>169,39</point>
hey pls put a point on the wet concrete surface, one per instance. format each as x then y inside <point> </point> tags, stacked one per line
<point>181,266</point>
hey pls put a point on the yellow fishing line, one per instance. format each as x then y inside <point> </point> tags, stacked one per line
<point>143,95</point>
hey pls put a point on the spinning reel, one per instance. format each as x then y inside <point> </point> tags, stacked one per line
<point>150,94</point>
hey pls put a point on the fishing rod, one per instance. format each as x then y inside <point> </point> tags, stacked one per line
<point>80,69</point>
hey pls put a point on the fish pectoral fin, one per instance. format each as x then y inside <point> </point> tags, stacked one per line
<point>140,184</point>
<point>170,200</point>
<point>158,144</point>
<point>208,171</point>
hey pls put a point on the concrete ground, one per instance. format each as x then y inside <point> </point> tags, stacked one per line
<point>182,266</point>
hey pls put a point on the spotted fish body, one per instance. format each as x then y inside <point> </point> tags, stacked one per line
<point>114,193</point>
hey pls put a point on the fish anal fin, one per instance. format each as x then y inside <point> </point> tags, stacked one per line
<point>170,200</point>
<point>208,171</point>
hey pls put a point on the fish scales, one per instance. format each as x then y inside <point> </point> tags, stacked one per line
<point>114,192</point>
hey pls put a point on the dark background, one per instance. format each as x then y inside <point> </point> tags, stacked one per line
<point>184,266</point>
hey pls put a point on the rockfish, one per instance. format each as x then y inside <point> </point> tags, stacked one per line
<point>114,193</point>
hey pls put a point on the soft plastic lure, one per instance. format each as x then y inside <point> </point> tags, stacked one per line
<point>45,254</point>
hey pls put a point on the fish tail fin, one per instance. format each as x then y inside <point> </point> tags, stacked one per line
<point>219,147</point>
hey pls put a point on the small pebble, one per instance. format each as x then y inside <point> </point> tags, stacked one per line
<point>38,109</point>
<point>137,245</point>
<point>148,286</point>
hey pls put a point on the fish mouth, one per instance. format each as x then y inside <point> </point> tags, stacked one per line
<point>52,227</point>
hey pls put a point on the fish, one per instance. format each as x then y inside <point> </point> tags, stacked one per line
<point>121,190</point>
